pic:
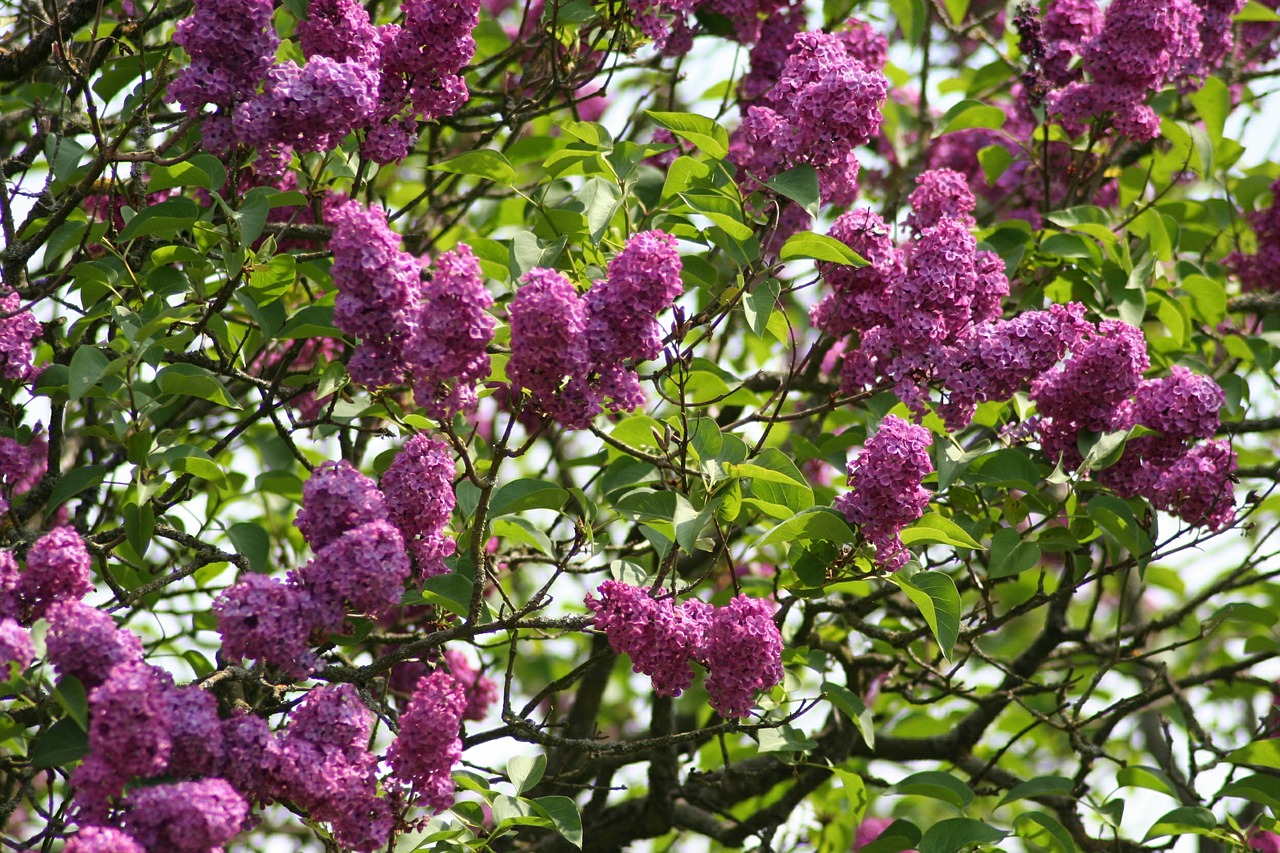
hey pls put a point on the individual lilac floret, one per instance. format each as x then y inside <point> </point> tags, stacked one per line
<point>622,328</point>
<point>481,690</point>
<point>185,817</point>
<point>939,194</point>
<point>994,360</point>
<point>15,647</point>
<point>84,641</point>
<point>550,354</point>
<point>335,499</point>
<point>363,570</point>
<point>448,353</point>
<point>128,736</point>
<point>379,291</point>
<point>57,569</point>
<point>1086,393</point>
<point>660,638</point>
<point>743,655</point>
<point>338,29</point>
<point>308,108</point>
<point>429,745</point>
<point>262,618</point>
<point>102,839</point>
<point>18,327</point>
<point>419,496</point>
<point>886,494</point>
<point>195,732</point>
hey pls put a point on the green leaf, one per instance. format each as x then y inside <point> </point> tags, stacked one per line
<point>935,529</point>
<point>1260,753</point>
<point>956,10</point>
<point>776,479</point>
<point>189,380</point>
<point>600,200</point>
<point>184,174</point>
<point>939,602</point>
<point>720,209</point>
<point>484,163</point>
<point>855,791</point>
<point>1011,553</point>
<point>564,816</point>
<point>273,279</point>
<point>528,252</point>
<point>1255,11</point>
<point>73,483</point>
<point>1010,468</point>
<point>59,745</point>
<point>313,321</point>
<point>800,184</point>
<point>950,836</point>
<point>1183,820</point>
<point>936,785</point>
<point>819,522</point>
<point>139,526</point>
<point>709,137</point>
<point>197,463</point>
<point>1044,830</point>
<point>166,219</point>
<point>1261,789</point>
<point>970,114</point>
<point>525,494</point>
<point>846,700</point>
<point>522,531</point>
<point>1146,777</point>
<point>525,771</point>
<point>451,591</point>
<point>88,366</point>
<point>912,17</point>
<point>759,304</point>
<point>252,541</point>
<point>1213,103</point>
<point>73,698</point>
<point>1041,786</point>
<point>1116,517</point>
<point>1100,450</point>
<point>995,161</point>
<point>819,247</point>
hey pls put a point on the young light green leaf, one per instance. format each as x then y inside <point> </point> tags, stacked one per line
<point>951,836</point>
<point>935,529</point>
<point>525,771</point>
<point>1182,821</point>
<point>484,163</point>
<point>819,522</point>
<point>708,136</point>
<point>934,593</point>
<point>846,700</point>
<point>967,115</point>
<point>1041,786</point>
<point>564,816</point>
<point>807,245</point>
<point>1043,830</point>
<point>800,184</point>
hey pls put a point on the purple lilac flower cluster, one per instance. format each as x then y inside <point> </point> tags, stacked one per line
<point>358,533</point>
<point>447,353</point>
<point>435,333</point>
<point>826,103</point>
<point>575,353</point>
<point>185,817</point>
<point>15,647</point>
<point>885,488</point>
<point>84,641</point>
<point>21,467</point>
<point>1177,469</point>
<point>1261,270</point>
<point>738,644</point>
<point>418,488</point>
<point>357,76</point>
<point>57,569</point>
<point>18,328</point>
<point>429,744</point>
<point>913,304</point>
<point>481,691</point>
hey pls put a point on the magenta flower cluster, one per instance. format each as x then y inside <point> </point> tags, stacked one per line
<point>361,560</point>
<point>57,569</point>
<point>383,80</point>
<point>429,745</point>
<point>739,643</point>
<point>825,103</point>
<point>885,492</point>
<point>21,467</point>
<point>1261,270</point>
<point>575,353</point>
<point>18,328</point>
<point>435,333</point>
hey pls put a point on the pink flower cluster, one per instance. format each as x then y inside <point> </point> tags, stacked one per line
<point>574,353</point>
<point>21,467</point>
<point>57,569</point>
<point>913,304</point>
<point>435,333</point>
<point>429,744</point>
<point>18,328</point>
<point>381,79</point>
<point>1261,270</point>
<point>885,488</point>
<point>738,644</point>
<point>361,557</point>
<point>825,103</point>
